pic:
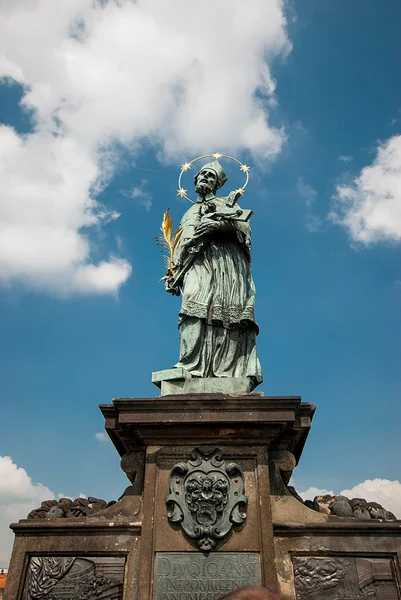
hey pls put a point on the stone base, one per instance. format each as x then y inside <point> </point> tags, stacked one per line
<point>179,381</point>
<point>171,429</point>
<point>138,551</point>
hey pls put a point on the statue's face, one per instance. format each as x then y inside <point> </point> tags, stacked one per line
<point>206,182</point>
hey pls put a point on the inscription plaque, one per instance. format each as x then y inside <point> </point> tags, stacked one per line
<point>194,576</point>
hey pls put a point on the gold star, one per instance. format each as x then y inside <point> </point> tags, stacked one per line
<point>245,168</point>
<point>240,191</point>
<point>186,166</point>
<point>217,155</point>
<point>181,192</point>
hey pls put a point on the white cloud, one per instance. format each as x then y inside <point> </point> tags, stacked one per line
<point>313,223</point>
<point>46,210</point>
<point>312,492</point>
<point>309,195</point>
<point>383,491</point>
<point>306,192</point>
<point>345,158</point>
<point>369,206</point>
<point>18,496</point>
<point>140,192</point>
<point>186,79</point>
<point>101,436</point>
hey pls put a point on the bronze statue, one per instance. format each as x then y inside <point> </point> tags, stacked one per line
<point>210,266</point>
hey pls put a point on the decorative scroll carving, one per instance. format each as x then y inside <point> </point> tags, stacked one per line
<point>344,578</point>
<point>133,465</point>
<point>281,466</point>
<point>74,578</point>
<point>206,496</point>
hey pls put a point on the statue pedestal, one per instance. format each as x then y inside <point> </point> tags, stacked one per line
<point>167,430</point>
<point>178,381</point>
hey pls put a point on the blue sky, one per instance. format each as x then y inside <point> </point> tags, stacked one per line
<point>325,187</point>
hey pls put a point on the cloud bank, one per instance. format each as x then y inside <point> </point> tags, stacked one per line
<point>101,75</point>
<point>369,206</point>
<point>18,496</point>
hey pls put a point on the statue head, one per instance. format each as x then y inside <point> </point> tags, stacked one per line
<point>210,178</point>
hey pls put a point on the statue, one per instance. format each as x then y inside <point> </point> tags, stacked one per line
<point>210,267</point>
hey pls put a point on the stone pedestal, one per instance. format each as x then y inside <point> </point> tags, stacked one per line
<point>244,428</point>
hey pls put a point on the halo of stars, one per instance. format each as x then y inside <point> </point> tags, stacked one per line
<point>182,193</point>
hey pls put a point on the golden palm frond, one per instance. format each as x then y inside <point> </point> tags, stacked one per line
<point>168,241</point>
<point>167,225</point>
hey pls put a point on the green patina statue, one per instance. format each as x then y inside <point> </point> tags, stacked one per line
<point>210,267</point>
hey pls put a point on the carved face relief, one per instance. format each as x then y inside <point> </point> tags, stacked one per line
<point>206,182</point>
<point>323,574</point>
<point>344,578</point>
<point>206,497</point>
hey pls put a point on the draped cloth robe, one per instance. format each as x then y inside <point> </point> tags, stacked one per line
<point>216,321</point>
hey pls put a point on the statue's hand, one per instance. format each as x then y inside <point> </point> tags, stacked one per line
<point>169,286</point>
<point>205,227</point>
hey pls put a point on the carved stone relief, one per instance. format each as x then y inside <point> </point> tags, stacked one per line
<point>67,508</point>
<point>344,578</point>
<point>74,578</point>
<point>281,466</point>
<point>338,506</point>
<point>206,497</point>
<point>133,465</point>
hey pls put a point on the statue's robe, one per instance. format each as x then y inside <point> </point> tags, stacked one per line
<point>217,323</point>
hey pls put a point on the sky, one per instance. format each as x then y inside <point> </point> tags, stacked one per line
<point>100,105</point>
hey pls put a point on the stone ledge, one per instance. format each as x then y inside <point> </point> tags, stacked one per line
<point>282,421</point>
<point>75,527</point>
<point>206,409</point>
<point>287,509</point>
<point>337,526</point>
<point>169,375</point>
<point>212,401</point>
